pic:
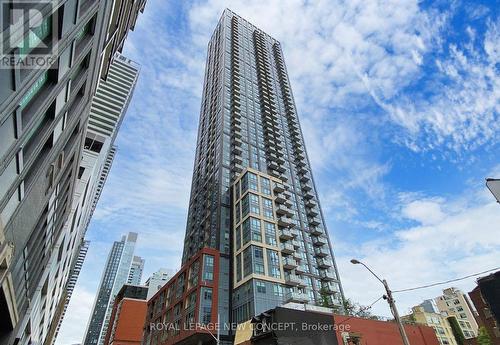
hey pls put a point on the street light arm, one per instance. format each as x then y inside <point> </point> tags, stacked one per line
<point>373,273</point>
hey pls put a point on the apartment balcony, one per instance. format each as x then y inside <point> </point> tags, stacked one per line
<point>306,187</point>
<point>237,159</point>
<point>279,198</point>
<point>319,241</point>
<point>289,263</point>
<point>314,221</point>
<point>283,178</point>
<point>287,248</point>
<point>237,167</point>
<point>285,221</point>
<point>323,263</point>
<point>285,234</point>
<point>321,252</point>
<point>300,163</point>
<point>300,269</point>
<point>305,179</point>
<point>237,141</point>
<point>237,150</point>
<point>274,173</point>
<point>295,232</point>
<point>278,188</point>
<point>298,148</point>
<point>235,127</point>
<point>298,297</point>
<point>292,280</point>
<point>273,165</point>
<point>327,275</point>
<point>316,231</point>
<point>312,212</point>
<point>302,170</point>
<point>296,244</point>
<point>236,134</point>
<point>283,210</point>
<point>311,203</point>
<point>328,288</point>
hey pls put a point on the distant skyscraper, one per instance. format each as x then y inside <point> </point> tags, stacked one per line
<point>115,275</point>
<point>253,197</point>
<point>157,280</point>
<point>70,286</point>
<point>135,274</point>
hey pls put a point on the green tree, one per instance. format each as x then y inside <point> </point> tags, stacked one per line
<point>457,331</point>
<point>355,309</point>
<point>325,298</point>
<point>483,338</point>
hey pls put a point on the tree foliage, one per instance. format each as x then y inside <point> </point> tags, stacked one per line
<point>483,337</point>
<point>355,309</point>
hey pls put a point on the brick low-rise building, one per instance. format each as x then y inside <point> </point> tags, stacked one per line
<point>294,324</point>
<point>486,299</point>
<point>127,317</point>
<point>186,304</point>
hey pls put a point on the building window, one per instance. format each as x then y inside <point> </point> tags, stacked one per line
<point>255,229</point>
<point>261,286</point>
<point>7,135</point>
<point>258,260</point>
<point>208,267</point>
<point>247,261</point>
<point>205,305</point>
<point>267,206</point>
<point>238,267</point>
<point>270,234</point>
<point>238,237</point>
<point>265,186</point>
<point>237,211</point>
<point>254,203</point>
<point>273,263</point>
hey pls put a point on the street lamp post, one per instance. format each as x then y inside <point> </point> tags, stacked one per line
<point>216,337</point>
<point>493,185</point>
<point>390,300</point>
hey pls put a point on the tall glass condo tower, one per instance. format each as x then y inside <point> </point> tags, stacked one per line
<point>253,196</point>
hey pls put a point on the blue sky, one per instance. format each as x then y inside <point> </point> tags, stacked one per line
<point>399,104</point>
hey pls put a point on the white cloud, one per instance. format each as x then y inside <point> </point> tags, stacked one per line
<point>447,243</point>
<point>424,211</point>
<point>75,321</point>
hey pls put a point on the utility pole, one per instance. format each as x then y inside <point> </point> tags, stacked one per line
<point>390,300</point>
<point>395,312</point>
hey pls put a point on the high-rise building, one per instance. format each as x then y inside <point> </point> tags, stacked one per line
<point>156,281</point>
<point>43,116</point>
<point>454,302</point>
<point>253,197</point>
<point>115,275</point>
<point>135,273</point>
<point>70,285</point>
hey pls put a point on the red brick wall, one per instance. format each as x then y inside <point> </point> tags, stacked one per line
<point>130,322</point>
<point>375,332</point>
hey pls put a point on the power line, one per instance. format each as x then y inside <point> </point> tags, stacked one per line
<point>446,282</point>
<point>362,309</point>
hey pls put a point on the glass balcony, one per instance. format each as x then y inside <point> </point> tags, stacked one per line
<point>326,275</point>
<point>321,252</point>
<point>295,296</point>
<point>289,263</point>
<point>287,248</point>
<point>323,263</point>
<point>293,280</point>
<point>285,234</point>
<point>319,241</point>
